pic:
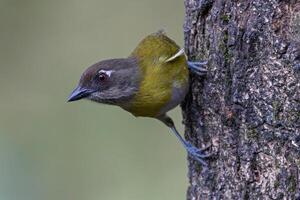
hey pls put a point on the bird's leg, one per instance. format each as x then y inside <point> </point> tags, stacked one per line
<point>194,152</point>
<point>197,67</point>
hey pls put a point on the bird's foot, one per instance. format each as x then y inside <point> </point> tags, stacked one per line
<point>198,67</point>
<point>197,154</point>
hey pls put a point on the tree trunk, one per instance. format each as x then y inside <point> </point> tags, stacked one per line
<point>248,105</point>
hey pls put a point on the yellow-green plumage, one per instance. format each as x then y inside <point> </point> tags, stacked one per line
<point>159,78</point>
<point>150,82</point>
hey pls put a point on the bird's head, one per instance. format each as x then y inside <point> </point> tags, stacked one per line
<point>113,81</point>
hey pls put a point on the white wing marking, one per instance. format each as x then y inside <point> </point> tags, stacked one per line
<point>179,53</point>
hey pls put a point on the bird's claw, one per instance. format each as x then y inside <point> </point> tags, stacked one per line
<point>197,154</point>
<point>193,152</point>
<point>198,67</point>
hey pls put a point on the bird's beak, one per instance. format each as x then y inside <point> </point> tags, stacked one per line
<point>79,93</point>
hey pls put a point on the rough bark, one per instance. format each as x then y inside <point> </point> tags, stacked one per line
<point>248,105</point>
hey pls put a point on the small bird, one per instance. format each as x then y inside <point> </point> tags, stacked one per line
<point>151,81</point>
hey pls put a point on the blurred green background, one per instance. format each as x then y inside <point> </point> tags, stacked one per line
<point>53,150</point>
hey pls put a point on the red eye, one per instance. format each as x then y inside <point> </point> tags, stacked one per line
<point>102,76</point>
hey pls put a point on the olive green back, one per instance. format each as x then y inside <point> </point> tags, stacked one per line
<point>159,76</point>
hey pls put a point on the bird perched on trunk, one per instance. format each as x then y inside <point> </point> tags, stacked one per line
<point>151,81</point>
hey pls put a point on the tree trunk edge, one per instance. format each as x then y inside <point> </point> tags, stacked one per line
<point>248,105</point>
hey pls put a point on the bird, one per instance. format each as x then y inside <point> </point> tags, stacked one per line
<point>151,81</point>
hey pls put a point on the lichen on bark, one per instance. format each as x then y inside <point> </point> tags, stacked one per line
<point>248,105</point>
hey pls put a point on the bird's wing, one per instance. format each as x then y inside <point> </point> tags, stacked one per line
<point>157,49</point>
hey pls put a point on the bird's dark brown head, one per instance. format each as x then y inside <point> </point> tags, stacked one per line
<point>111,81</point>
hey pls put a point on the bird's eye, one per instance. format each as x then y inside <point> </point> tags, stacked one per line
<point>102,76</point>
